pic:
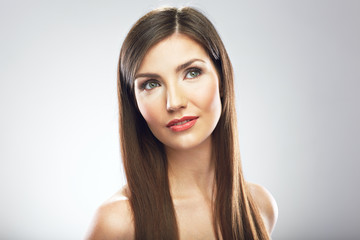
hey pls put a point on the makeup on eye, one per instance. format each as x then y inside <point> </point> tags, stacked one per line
<point>190,73</point>
<point>193,73</point>
<point>149,84</point>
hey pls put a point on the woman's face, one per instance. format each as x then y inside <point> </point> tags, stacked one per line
<point>177,92</point>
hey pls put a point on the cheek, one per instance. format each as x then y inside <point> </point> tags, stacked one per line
<point>150,109</point>
<point>208,98</point>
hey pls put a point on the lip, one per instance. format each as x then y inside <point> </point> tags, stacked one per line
<point>191,120</point>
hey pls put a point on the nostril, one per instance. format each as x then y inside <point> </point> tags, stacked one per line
<point>175,106</point>
<point>176,99</point>
<point>174,103</point>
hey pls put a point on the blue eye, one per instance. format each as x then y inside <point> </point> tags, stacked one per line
<point>148,85</point>
<point>193,73</point>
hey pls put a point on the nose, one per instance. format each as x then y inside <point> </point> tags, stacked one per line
<point>176,99</point>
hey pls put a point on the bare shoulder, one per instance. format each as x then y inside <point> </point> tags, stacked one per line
<point>113,219</point>
<point>266,204</point>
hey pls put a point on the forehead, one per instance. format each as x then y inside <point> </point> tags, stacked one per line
<point>172,51</point>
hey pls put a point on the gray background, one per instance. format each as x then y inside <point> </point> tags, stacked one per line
<point>297,83</point>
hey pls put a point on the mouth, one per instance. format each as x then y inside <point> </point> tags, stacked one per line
<point>182,124</point>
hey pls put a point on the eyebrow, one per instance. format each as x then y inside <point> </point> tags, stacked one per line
<point>178,69</point>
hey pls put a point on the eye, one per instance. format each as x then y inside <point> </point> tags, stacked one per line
<point>193,73</point>
<point>148,85</point>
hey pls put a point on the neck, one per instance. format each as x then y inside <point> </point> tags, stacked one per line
<point>191,171</point>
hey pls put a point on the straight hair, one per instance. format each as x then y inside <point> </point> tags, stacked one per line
<point>235,215</point>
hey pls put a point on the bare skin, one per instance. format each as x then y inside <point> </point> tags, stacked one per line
<point>113,219</point>
<point>191,189</point>
<point>189,153</point>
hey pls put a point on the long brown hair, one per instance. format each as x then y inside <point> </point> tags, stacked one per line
<point>235,215</point>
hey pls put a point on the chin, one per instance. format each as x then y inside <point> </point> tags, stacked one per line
<point>187,143</point>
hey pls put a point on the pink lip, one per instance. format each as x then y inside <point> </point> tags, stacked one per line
<point>184,126</point>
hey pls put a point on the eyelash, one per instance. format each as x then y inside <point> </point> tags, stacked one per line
<point>193,69</point>
<point>197,70</point>
<point>143,85</point>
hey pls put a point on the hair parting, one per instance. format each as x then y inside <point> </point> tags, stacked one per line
<point>235,215</point>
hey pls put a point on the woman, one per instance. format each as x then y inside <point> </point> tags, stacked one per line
<point>179,139</point>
